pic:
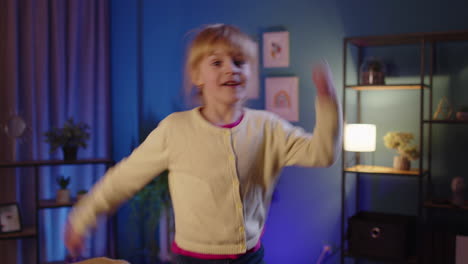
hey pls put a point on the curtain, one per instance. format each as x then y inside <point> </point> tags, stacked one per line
<point>54,65</point>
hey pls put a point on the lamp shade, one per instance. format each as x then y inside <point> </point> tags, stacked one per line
<point>359,137</point>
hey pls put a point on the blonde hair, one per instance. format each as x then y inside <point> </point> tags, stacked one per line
<point>205,42</point>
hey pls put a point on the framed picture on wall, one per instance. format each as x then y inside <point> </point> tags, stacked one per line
<point>276,49</point>
<point>282,97</point>
<point>10,218</point>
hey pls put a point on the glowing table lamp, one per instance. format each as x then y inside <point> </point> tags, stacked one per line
<point>360,138</point>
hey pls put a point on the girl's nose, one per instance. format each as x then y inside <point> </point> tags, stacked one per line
<point>231,67</point>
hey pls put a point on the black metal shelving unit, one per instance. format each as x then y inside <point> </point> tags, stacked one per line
<point>425,42</point>
<point>31,232</point>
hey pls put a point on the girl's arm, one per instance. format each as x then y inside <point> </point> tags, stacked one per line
<point>323,146</point>
<point>120,183</point>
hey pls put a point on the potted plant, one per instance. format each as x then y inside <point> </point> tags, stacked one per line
<point>151,211</point>
<point>400,141</point>
<point>462,114</point>
<point>63,194</point>
<point>80,194</point>
<point>69,137</point>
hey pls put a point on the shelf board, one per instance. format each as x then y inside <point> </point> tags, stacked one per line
<point>27,232</point>
<point>448,121</point>
<point>382,170</point>
<point>387,87</point>
<point>44,204</point>
<point>33,163</point>
<point>445,204</point>
<point>405,39</point>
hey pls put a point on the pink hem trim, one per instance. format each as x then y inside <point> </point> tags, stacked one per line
<point>177,250</point>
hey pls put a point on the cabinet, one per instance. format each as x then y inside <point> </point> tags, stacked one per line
<point>31,232</point>
<point>415,92</point>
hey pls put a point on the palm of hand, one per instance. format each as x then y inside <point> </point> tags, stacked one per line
<point>74,242</point>
<point>322,78</point>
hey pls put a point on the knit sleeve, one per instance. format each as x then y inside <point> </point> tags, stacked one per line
<point>123,180</point>
<point>318,149</point>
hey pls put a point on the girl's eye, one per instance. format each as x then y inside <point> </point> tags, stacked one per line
<point>239,63</point>
<point>216,63</point>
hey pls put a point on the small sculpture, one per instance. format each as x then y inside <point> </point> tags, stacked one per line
<point>458,189</point>
<point>444,110</point>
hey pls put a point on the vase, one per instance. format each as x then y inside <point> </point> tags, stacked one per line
<point>63,196</point>
<point>372,72</point>
<point>69,153</point>
<point>372,77</point>
<point>462,116</point>
<point>458,199</point>
<point>401,163</point>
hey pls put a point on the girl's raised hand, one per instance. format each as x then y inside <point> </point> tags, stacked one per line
<point>322,78</point>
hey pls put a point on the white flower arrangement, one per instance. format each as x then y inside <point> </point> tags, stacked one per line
<point>400,141</point>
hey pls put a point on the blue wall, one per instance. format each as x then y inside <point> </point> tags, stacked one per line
<point>147,49</point>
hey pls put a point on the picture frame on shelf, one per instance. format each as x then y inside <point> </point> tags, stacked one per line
<point>10,218</point>
<point>276,49</point>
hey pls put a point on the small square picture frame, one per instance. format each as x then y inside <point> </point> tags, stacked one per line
<point>10,218</point>
<point>276,49</point>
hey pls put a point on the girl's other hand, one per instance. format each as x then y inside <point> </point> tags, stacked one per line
<point>74,242</point>
<point>322,78</point>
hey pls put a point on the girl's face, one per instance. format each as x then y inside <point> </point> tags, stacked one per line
<point>223,77</point>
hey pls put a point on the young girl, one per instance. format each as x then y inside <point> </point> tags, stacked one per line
<point>223,159</point>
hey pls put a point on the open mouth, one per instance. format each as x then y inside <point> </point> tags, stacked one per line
<point>232,83</point>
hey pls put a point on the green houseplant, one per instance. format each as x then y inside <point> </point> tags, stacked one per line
<point>151,208</point>
<point>69,137</point>
<point>400,141</point>
<point>63,194</point>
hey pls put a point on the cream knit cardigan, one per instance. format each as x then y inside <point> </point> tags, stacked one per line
<point>221,180</point>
